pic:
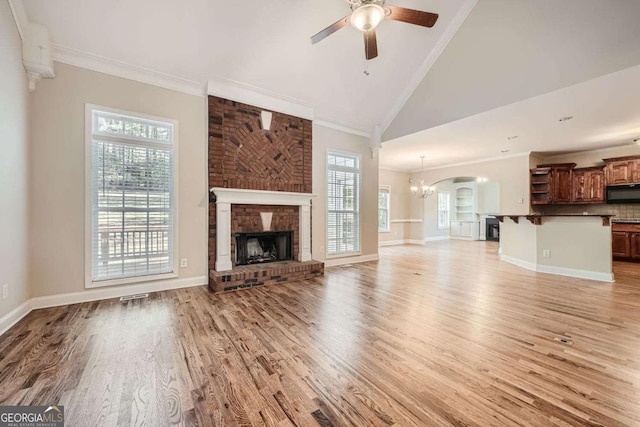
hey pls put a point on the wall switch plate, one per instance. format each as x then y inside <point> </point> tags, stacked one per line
<point>521,201</point>
<point>5,291</point>
<point>183,263</point>
<point>546,253</point>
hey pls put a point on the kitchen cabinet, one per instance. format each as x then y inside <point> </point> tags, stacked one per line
<point>551,184</point>
<point>625,241</point>
<point>622,170</point>
<point>587,185</point>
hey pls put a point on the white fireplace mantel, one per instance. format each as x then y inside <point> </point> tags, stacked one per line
<point>225,197</point>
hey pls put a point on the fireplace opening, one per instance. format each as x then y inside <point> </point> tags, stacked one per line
<point>493,229</point>
<point>259,248</point>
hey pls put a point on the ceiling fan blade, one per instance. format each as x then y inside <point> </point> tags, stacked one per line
<point>329,30</point>
<point>370,44</point>
<point>411,16</point>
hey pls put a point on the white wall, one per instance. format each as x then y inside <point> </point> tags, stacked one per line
<point>325,139</point>
<point>57,171</point>
<point>13,165</point>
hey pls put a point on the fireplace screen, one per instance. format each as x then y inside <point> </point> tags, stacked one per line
<point>256,248</point>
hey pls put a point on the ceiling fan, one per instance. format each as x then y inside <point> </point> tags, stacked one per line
<point>366,15</point>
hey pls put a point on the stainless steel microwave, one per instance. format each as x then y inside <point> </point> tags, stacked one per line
<point>623,193</point>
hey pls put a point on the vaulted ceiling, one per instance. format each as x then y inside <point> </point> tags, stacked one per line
<point>259,44</point>
<point>489,69</point>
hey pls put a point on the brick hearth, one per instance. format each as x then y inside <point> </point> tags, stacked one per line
<point>247,276</point>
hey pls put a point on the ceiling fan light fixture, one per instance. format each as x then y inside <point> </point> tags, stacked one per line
<point>367,17</point>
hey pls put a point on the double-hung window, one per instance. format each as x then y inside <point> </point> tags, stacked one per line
<point>131,197</point>
<point>444,210</point>
<point>383,209</point>
<point>343,203</point>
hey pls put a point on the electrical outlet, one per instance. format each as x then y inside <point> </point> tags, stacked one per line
<point>184,263</point>
<point>5,291</point>
<point>321,249</point>
<point>521,201</point>
<point>546,253</point>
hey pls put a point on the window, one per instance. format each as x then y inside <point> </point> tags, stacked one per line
<point>131,197</point>
<point>444,209</point>
<point>383,209</point>
<point>343,203</point>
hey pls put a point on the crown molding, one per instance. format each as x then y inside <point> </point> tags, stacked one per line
<point>473,162</point>
<point>259,97</point>
<point>444,40</point>
<point>125,70</point>
<point>341,128</point>
<point>19,15</point>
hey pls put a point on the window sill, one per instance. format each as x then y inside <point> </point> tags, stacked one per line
<point>384,231</point>
<point>129,280</point>
<point>344,255</point>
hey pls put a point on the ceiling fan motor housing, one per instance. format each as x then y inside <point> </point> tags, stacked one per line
<point>367,14</point>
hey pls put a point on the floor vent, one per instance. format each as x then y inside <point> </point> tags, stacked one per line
<point>132,297</point>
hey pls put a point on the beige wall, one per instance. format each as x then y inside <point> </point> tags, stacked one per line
<point>13,165</point>
<point>578,246</point>
<point>512,175</point>
<point>592,158</point>
<point>430,204</point>
<point>324,140</point>
<point>404,211</point>
<point>57,192</point>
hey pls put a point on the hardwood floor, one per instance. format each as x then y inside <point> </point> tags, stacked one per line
<point>438,335</point>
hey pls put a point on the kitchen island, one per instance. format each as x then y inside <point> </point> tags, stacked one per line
<point>567,245</point>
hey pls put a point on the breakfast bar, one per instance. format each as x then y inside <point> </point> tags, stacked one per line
<point>566,245</point>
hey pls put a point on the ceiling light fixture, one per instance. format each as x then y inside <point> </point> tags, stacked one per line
<point>564,119</point>
<point>505,151</point>
<point>367,17</point>
<point>636,141</point>
<point>421,190</point>
<point>512,137</point>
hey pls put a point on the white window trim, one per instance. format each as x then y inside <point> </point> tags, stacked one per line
<point>88,217</point>
<point>326,209</point>
<point>388,189</point>
<point>438,210</point>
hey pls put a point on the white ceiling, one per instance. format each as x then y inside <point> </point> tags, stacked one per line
<point>606,113</point>
<point>510,50</point>
<point>264,44</point>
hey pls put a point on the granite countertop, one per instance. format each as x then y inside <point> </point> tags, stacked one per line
<point>560,215</point>
<point>626,220</point>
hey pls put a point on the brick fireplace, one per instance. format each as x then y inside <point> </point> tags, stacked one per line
<point>258,168</point>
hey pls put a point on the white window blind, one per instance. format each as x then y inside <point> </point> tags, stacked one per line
<point>444,210</point>
<point>132,196</point>
<point>383,209</point>
<point>343,203</point>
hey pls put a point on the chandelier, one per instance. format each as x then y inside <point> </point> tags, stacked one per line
<point>421,190</point>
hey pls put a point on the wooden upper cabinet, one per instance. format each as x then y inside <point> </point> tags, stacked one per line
<point>551,184</point>
<point>623,170</point>
<point>587,185</point>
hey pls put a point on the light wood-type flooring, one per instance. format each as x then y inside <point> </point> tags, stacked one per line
<point>444,334</point>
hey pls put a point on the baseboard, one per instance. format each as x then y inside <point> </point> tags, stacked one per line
<point>14,316</point>
<point>580,274</point>
<point>436,238</point>
<point>116,292</point>
<point>391,243</point>
<point>520,263</point>
<point>560,271</point>
<point>350,260</point>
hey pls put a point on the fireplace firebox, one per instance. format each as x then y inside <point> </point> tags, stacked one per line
<point>259,248</point>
